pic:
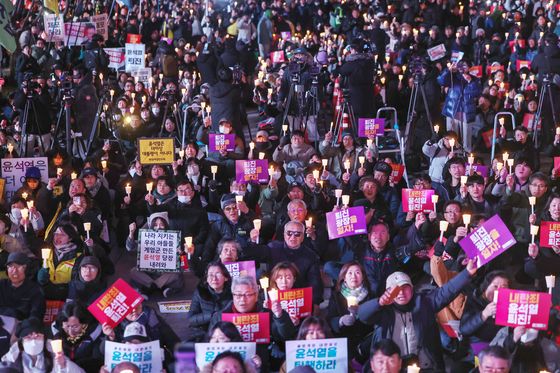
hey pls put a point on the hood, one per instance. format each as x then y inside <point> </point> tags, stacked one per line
<point>221,89</point>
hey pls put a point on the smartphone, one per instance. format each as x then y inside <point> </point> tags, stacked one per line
<point>185,358</point>
<point>76,201</point>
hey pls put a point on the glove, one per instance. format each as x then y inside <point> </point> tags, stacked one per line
<point>285,140</point>
<point>347,320</point>
<point>43,276</point>
<point>435,138</point>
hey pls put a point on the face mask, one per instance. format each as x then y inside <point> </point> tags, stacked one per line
<point>132,172</point>
<point>223,130</point>
<point>16,213</point>
<point>155,111</point>
<point>33,347</point>
<point>184,199</point>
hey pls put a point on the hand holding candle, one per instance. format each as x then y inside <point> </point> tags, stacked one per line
<point>345,200</point>
<point>128,190</point>
<point>257,225</point>
<point>510,164</point>
<point>87,228</point>
<point>534,232</point>
<point>214,170</point>
<point>149,187</point>
<point>452,144</point>
<point>550,283</point>
<point>338,194</point>
<point>532,202</point>
<point>45,256</point>
<point>264,286</point>
<point>238,200</point>
<point>435,199</point>
<point>443,224</point>
<point>189,246</point>
<point>25,216</point>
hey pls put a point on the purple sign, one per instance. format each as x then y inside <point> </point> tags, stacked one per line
<point>286,35</point>
<point>346,222</point>
<point>369,127</point>
<point>488,241</point>
<point>246,268</point>
<point>217,142</point>
<point>478,169</point>
<point>251,170</point>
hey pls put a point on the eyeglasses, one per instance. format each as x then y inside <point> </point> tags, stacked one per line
<point>72,327</point>
<point>248,295</point>
<point>230,208</point>
<point>293,233</point>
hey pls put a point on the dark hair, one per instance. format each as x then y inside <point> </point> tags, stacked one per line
<point>313,320</point>
<point>345,269</point>
<point>551,198</point>
<point>490,277</point>
<point>539,176</point>
<point>7,222</point>
<point>167,180</point>
<point>222,267</point>
<point>386,346</point>
<point>231,354</point>
<point>228,328</point>
<point>75,309</point>
<point>475,179</point>
<point>185,182</point>
<point>494,351</point>
<point>521,128</point>
<point>283,265</point>
<point>452,202</point>
<point>423,177</point>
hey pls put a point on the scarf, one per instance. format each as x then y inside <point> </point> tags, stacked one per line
<point>77,339</point>
<point>359,293</point>
<point>61,251</point>
<point>93,190</point>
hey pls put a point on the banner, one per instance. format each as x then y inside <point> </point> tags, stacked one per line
<point>346,222</point>
<point>207,352</point>
<point>417,200</point>
<point>101,24</point>
<point>477,169</point>
<point>396,173</point>
<point>156,151</point>
<point>519,64</point>
<point>254,327</point>
<point>54,27</point>
<point>523,308</point>
<point>456,56</point>
<point>146,356</point>
<point>115,303</point>
<point>488,241</point>
<point>175,306</point>
<point>217,142</point>
<point>323,355</point>
<point>7,34</point>
<point>158,251</point>
<point>297,302</point>
<point>251,170</point>
<point>246,268</point>
<point>116,57</point>
<point>143,75</point>
<point>549,234</point>
<point>369,127</point>
<point>437,52</point>
<point>13,170</point>
<point>78,33</point>
<point>135,55</point>
<point>134,38</point>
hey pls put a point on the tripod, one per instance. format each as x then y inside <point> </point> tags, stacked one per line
<point>545,89</point>
<point>95,129</point>
<point>411,113</point>
<point>344,111</point>
<point>66,110</point>
<point>312,108</point>
<point>296,91</point>
<point>29,105</point>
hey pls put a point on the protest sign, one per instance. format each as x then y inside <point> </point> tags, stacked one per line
<point>476,71</point>
<point>54,27</point>
<point>286,35</point>
<point>115,303</point>
<point>158,250</point>
<point>417,200</point>
<point>133,38</point>
<point>519,64</point>
<point>368,127</point>
<point>134,56</point>
<point>156,151</point>
<point>523,308</point>
<point>556,163</point>
<point>549,234</point>
<point>493,68</point>
<point>146,356</point>
<point>101,25</point>
<point>13,170</point>
<point>323,355</point>
<point>251,170</point>
<point>207,352</point>
<point>529,122</point>
<point>116,57</point>
<point>53,307</point>
<point>437,52</point>
<point>7,34</point>
<point>397,172</point>
<point>346,222</point>
<point>477,169</point>
<point>175,306</point>
<point>217,142</point>
<point>254,327</point>
<point>456,56</point>
<point>297,302</point>
<point>488,241</point>
<point>143,75</point>
<point>78,33</point>
<point>277,57</point>
<point>246,268</point>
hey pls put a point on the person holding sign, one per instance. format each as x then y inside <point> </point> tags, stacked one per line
<point>440,151</point>
<point>347,151</point>
<point>400,314</point>
<point>223,157</point>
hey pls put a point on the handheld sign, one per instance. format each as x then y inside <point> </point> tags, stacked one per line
<point>115,303</point>
<point>217,142</point>
<point>550,234</point>
<point>324,355</point>
<point>146,356</point>
<point>251,170</point>
<point>13,171</point>
<point>346,222</point>
<point>253,327</point>
<point>417,200</point>
<point>368,127</point>
<point>297,302</point>
<point>156,151</point>
<point>523,308</point>
<point>207,352</point>
<point>246,268</point>
<point>158,250</point>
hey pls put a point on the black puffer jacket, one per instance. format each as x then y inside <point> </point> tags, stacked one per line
<point>472,325</point>
<point>205,303</point>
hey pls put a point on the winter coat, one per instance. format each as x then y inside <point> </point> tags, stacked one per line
<point>472,325</point>
<point>205,303</point>
<point>226,104</point>
<point>462,96</point>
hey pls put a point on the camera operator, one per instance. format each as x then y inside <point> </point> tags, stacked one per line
<point>225,97</point>
<point>25,64</point>
<point>84,108</point>
<point>95,59</point>
<point>39,118</point>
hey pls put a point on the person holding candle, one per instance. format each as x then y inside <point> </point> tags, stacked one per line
<point>517,181</point>
<point>97,191</point>
<point>37,191</point>
<point>439,153</point>
<point>471,196</point>
<point>162,193</point>
<point>347,151</point>
<point>373,202</point>
<point>521,146</point>
<point>81,210</point>
<point>293,148</point>
<point>34,219</point>
<point>194,175</point>
<point>450,188</point>
<point>382,172</point>
<point>32,351</point>
<point>211,295</point>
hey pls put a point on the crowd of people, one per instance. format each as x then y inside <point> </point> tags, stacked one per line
<point>469,94</point>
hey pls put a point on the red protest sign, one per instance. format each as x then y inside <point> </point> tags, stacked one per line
<point>297,302</point>
<point>528,122</point>
<point>476,71</point>
<point>556,163</point>
<point>487,137</point>
<point>134,38</point>
<point>521,64</point>
<point>52,309</point>
<point>277,57</point>
<point>115,303</point>
<point>523,308</point>
<point>549,234</point>
<point>417,200</point>
<point>253,327</point>
<point>492,69</point>
<point>396,173</point>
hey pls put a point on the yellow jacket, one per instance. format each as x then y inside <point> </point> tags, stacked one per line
<point>62,273</point>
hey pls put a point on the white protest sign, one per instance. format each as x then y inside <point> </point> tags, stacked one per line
<point>143,75</point>
<point>135,55</point>
<point>175,306</point>
<point>207,352</point>
<point>54,27</point>
<point>13,170</point>
<point>101,24</point>
<point>323,355</point>
<point>116,57</point>
<point>146,356</point>
<point>158,250</point>
<point>78,33</point>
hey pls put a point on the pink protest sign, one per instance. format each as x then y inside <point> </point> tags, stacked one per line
<point>115,303</point>
<point>346,222</point>
<point>246,268</point>
<point>253,327</point>
<point>417,200</point>
<point>217,142</point>
<point>277,57</point>
<point>523,308</point>
<point>297,302</point>
<point>488,241</point>
<point>549,234</point>
<point>368,127</point>
<point>251,170</point>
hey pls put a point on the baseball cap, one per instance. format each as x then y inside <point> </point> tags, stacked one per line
<point>18,258</point>
<point>398,279</point>
<point>135,330</point>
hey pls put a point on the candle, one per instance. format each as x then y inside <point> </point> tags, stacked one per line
<point>25,216</point>
<point>284,129</point>
<point>128,190</point>
<point>435,199</point>
<point>338,194</point>
<point>413,369</point>
<point>502,121</point>
<point>558,130</point>
<point>345,200</point>
<point>58,172</point>
<point>214,170</point>
<point>466,220</point>
<point>499,166</point>
<point>73,175</point>
<point>262,155</point>
<point>464,180</point>
<point>45,255</point>
<point>369,143</point>
<point>273,294</point>
<point>510,164</point>
<point>238,199</point>
<point>352,301</point>
<point>24,195</point>
<point>56,346</point>
<point>264,286</point>
<point>149,187</point>
<point>451,144</point>
<point>495,300</point>
<point>436,128</point>
<point>442,228</point>
<point>347,165</point>
<point>505,156</point>
<point>87,228</point>
<point>316,175</point>
<point>29,205</point>
<point>309,223</point>
<point>104,164</point>
<point>534,232</point>
<point>550,282</point>
<point>10,148</point>
<point>532,202</point>
<point>181,154</point>
<point>362,160</point>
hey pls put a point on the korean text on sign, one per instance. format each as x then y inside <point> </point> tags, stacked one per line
<point>207,352</point>
<point>117,302</point>
<point>323,355</point>
<point>158,250</point>
<point>247,171</point>
<point>245,268</point>
<point>13,170</point>
<point>253,327</point>
<point>297,302</point>
<point>369,127</point>
<point>549,234</point>
<point>146,356</point>
<point>417,200</point>
<point>523,308</point>
<point>156,151</point>
<point>346,222</point>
